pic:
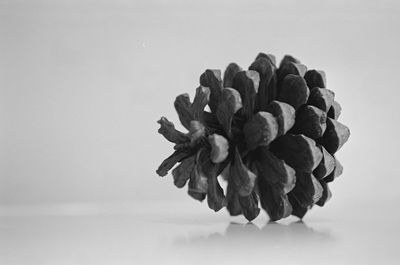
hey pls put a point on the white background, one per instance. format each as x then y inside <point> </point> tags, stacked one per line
<point>82,84</point>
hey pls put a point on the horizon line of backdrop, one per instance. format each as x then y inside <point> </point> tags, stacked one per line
<point>82,84</point>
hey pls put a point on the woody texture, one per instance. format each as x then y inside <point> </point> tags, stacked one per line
<point>270,132</point>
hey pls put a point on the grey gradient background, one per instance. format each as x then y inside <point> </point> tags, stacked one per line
<point>82,84</point>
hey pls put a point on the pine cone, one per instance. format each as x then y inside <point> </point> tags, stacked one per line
<point>271,134</point>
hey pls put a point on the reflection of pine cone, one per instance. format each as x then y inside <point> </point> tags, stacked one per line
<point>271,133</point>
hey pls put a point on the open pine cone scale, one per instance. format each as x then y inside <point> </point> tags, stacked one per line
<point>272,134</point>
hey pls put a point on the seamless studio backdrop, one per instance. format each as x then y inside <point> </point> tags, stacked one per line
<point>82,84</point>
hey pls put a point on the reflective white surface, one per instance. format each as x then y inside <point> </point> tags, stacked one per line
<point>188,233</point>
